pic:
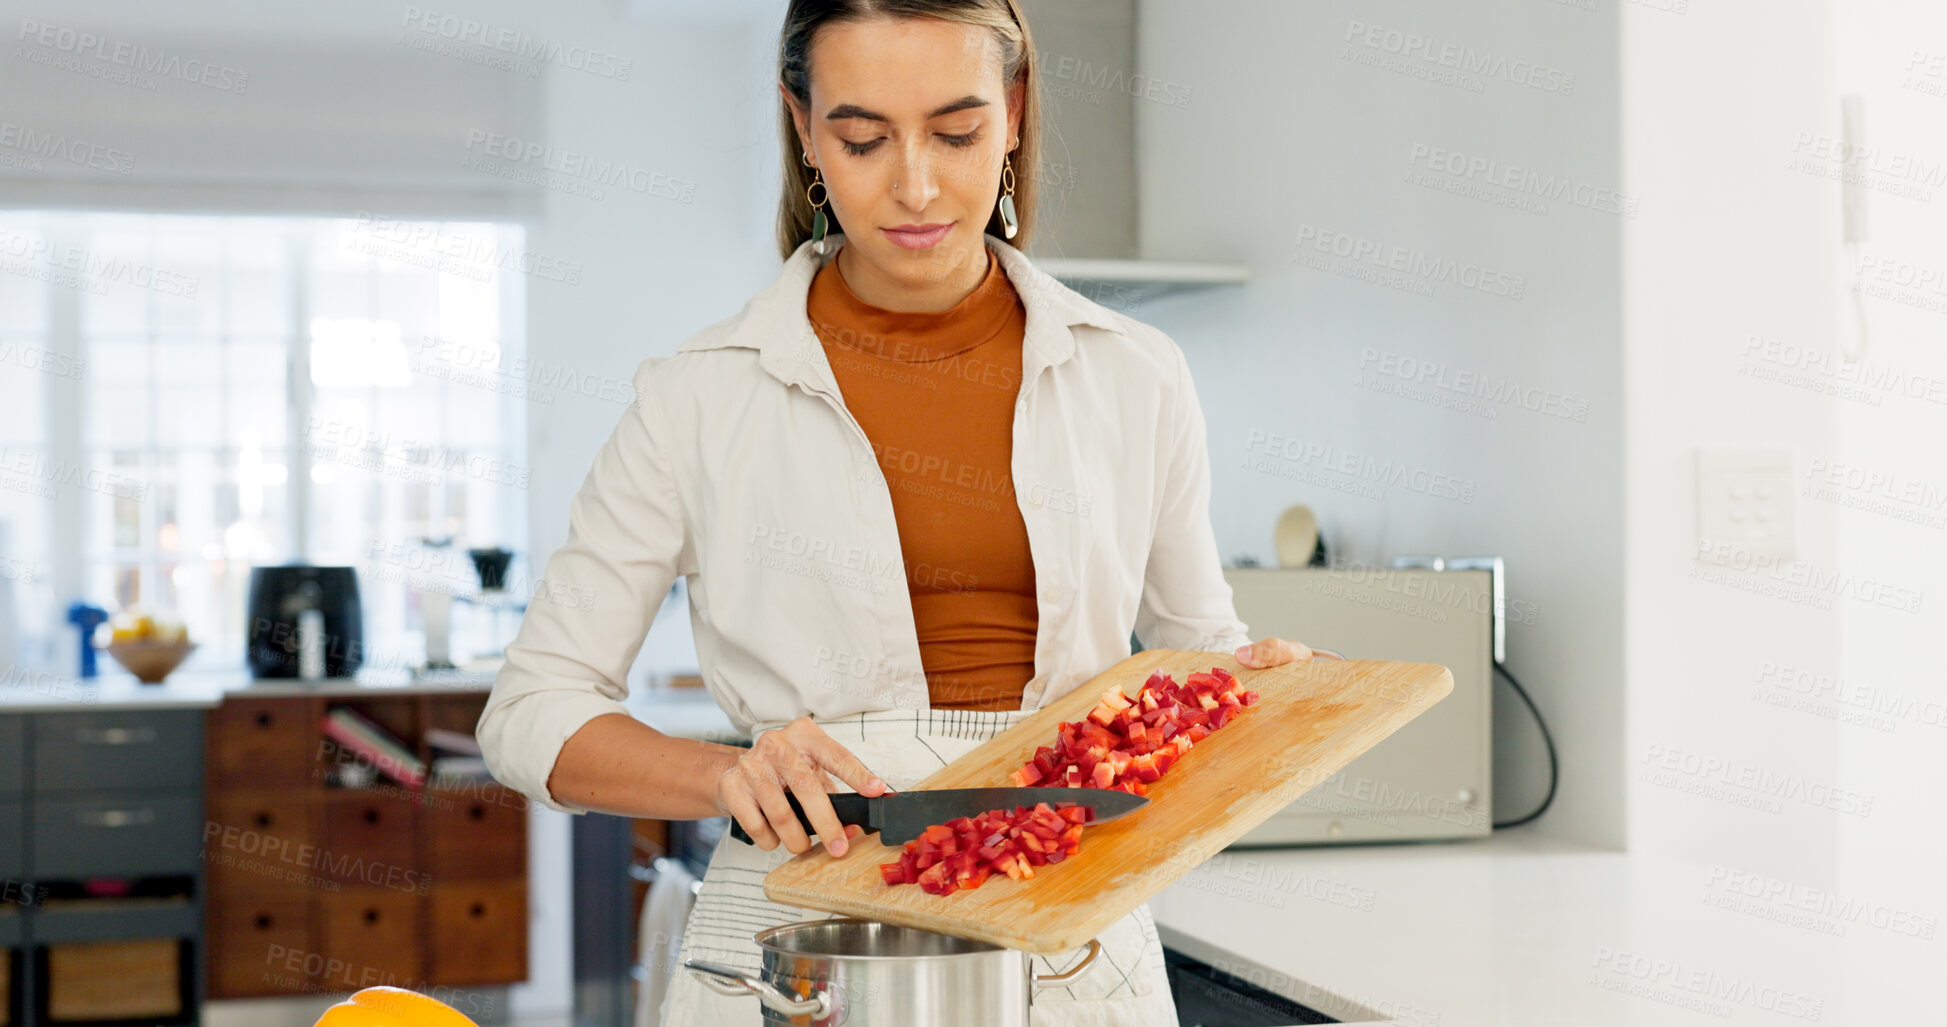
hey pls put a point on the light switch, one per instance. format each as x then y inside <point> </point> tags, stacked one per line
<point>1745,499</point>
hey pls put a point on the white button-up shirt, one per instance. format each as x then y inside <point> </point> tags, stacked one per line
<point>739,468</point>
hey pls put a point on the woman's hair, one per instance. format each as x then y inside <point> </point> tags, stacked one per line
<point>1017,59</point>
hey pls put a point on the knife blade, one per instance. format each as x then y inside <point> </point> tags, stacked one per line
<point>899,817</point>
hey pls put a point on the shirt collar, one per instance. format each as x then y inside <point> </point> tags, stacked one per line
<point>774,321</point>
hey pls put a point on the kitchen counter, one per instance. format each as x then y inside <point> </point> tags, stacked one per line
<point>1518,929</point>
<point>684,712</point>
<point>53,693</point>
<point>189,689</point>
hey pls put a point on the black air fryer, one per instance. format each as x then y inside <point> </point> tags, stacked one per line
<point>280,595</point>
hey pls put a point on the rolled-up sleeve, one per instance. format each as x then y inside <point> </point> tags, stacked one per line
<point>588,615</point>
<point>1186,603</point>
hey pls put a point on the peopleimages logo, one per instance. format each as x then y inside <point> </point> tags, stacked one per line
<point>78,45</point>
<point>1464,60</point>
<point>59,147</point>
<point>466,254</point>
<point>1267,451</point>
<point>1744,784</point>
<point>1524,181</point>
<point>576,167</point>
<point>1357,256</point>
<point>516,44</point>
<point>1474,384</point>
<point>1798,580</point>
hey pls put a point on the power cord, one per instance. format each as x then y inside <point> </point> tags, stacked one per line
<point>1554,767</point>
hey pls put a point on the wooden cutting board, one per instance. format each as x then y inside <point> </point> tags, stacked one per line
<point>1310,721</point>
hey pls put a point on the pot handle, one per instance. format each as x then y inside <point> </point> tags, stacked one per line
<point>725,980</point>
<point>1094,949</point>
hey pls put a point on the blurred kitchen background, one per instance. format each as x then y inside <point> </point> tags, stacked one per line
<point>1645,298</point>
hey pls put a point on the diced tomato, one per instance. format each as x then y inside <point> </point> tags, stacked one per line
<point>1125,743</point>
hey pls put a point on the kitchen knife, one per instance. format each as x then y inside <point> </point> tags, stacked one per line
<point>899,817</point>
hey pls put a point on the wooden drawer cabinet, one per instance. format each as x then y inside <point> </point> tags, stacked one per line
<point>479,932</point>
<point>256,842</point>
<point>370,837</point>
<point>476,834</point>
<point>371,936</point>
<point>318,888</point>
<point>120,750</point>
<point>263,743</point>
<point>262,947</point>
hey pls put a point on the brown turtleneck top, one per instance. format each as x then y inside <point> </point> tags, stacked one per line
<point>935,394</point>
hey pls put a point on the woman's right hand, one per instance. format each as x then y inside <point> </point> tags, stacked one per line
<point>799,756</point>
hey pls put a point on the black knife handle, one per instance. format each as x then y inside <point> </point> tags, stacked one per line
<point>851,807</point>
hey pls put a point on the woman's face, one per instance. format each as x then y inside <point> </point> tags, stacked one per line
<point>917,103</point>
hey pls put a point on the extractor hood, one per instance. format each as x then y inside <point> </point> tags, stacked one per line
<point>1094,101</point>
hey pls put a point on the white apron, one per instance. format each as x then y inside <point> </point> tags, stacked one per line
<point>1128,986</point>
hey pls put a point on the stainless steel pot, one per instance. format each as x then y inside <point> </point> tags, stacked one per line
<point>844,972</point>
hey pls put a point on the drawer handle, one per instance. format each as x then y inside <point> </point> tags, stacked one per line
<point>114,735</point>
<point>371,916</point>
<point>115,817</point>
<point>477,910</point>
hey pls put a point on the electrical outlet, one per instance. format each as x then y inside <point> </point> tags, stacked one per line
<point>1745,499</point>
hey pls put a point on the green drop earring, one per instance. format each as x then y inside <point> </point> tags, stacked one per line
<point>819,223</point>
<point>1009,225</point>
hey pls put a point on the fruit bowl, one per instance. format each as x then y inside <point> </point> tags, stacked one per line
<point>150,662</point>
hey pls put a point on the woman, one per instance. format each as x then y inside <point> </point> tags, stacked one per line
<point>917,487</point>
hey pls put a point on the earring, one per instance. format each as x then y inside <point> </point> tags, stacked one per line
<point>1009,225</point>
<point>819,224</point>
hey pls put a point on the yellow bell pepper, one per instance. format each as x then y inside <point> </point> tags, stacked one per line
<point>392,1007</point>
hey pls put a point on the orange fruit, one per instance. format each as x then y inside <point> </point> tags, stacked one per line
<point>392,1007</point>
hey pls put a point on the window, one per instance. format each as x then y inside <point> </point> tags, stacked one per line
<point>188,397</point>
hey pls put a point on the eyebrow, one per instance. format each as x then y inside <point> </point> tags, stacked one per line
<point>852,110</point>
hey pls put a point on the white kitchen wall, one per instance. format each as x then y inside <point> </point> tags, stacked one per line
<point>1885,479</point>
<point>1337,124</point>
<point>1735,248</point>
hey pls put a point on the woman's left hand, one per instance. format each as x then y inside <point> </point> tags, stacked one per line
<point>1271,652</point>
